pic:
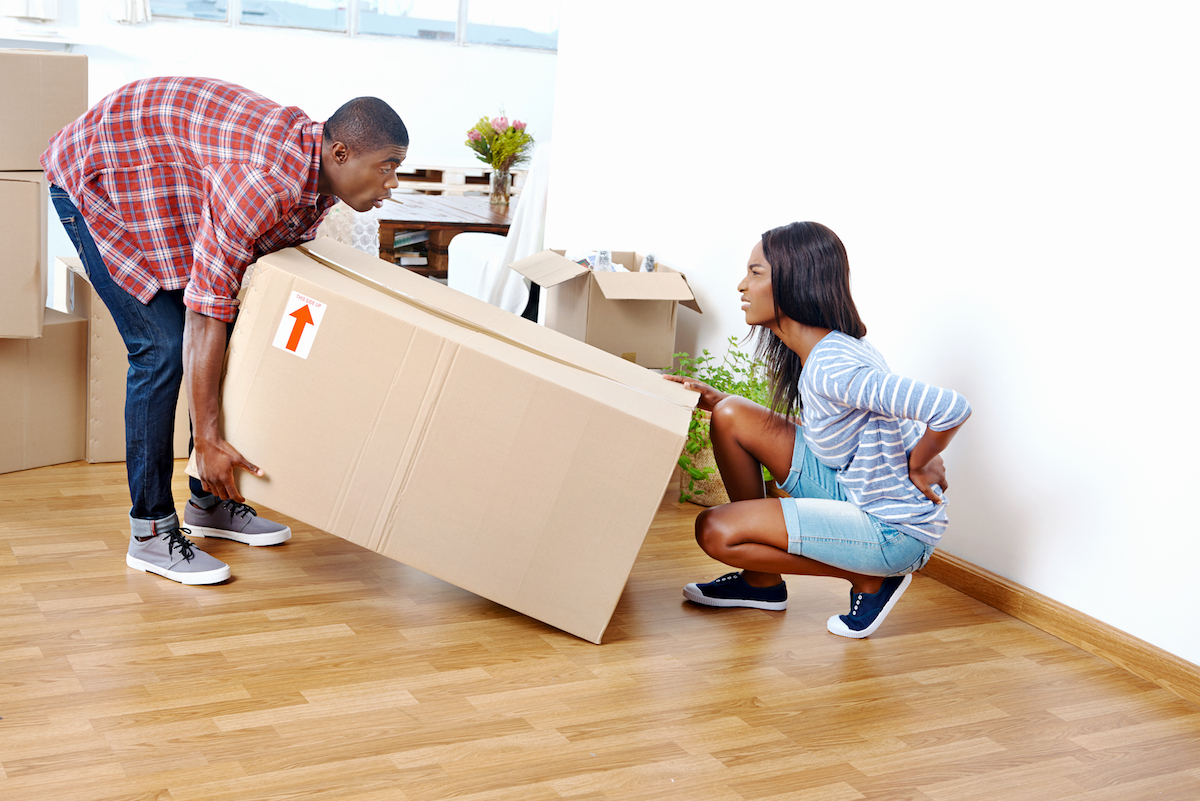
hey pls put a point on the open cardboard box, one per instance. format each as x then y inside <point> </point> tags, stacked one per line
<point>628,314</point>
<point>42,388</point>
<point>24,274</point>
<point>107,372</point>
<point>448,434</point>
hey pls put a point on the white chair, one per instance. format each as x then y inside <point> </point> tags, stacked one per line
<point>478,263</point>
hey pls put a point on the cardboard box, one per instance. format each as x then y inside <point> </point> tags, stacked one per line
<point>448,434</point>
<point>628,314</point>
<point>42,389</point>
<point>24,208</point>
<point>107,371</point>
<point>41,92</point>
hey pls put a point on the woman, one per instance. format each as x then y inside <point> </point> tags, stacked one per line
<point>863,465</point>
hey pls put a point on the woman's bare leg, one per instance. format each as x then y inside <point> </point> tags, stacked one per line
<point>750,533</point>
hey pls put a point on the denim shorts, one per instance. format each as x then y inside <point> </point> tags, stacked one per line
<point>823,526</point>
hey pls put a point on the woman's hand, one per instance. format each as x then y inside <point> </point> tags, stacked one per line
<point>925,477</point>
<point>709,397</point>
<point>925,466</point>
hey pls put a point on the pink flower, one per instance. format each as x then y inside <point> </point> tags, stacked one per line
<point>518,125</point>
<point>500,124</point>
<point>474,135</point>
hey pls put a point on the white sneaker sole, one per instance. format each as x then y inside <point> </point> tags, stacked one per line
<point>836,626</point>
<point>692,593</point>
<point>270,538</point>
<point>215,576</point>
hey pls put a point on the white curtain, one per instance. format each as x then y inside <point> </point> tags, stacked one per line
<point>30,9</point>
<point>130,11</point>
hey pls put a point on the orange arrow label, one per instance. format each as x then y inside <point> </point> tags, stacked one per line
<point>303,317</point>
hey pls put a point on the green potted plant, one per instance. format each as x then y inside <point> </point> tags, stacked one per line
<point>738,373</point>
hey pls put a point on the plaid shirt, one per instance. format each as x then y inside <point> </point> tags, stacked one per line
<point>183,182</point>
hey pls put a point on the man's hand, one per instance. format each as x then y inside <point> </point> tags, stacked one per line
<point>215,462</point>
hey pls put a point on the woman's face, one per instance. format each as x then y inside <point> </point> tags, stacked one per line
<point>757,301</point>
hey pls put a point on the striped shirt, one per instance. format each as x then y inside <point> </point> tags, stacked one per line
<point>183,182</point>
<point>863,421</point>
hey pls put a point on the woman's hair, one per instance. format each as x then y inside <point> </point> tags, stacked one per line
<point>810,282</point>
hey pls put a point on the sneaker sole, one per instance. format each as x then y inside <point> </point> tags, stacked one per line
<point>692,593</point>
<point>836,626</point>
<point>270,538</point>
<point>206,577</point>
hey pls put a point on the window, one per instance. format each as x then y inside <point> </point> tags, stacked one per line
<point>530,24</point>
<point>318,15</point>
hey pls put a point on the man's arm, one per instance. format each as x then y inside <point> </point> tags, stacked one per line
<point>203,356</point>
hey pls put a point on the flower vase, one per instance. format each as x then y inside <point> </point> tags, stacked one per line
<point>501,181</point>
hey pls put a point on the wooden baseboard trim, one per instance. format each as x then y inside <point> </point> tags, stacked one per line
<point>1137,656</point>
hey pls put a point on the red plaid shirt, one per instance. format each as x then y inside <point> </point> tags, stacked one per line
<point>183,182</point>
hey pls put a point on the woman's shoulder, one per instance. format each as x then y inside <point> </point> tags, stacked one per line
<point>837,346</point>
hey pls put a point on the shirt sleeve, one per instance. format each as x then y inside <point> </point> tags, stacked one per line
<point>241,204</point>
<point>861,386</point>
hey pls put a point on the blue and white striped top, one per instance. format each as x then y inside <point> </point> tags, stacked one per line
<point>863,421</point>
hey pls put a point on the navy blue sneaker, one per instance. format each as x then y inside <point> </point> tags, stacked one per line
<point>868,611</point>
<point>733,590</point>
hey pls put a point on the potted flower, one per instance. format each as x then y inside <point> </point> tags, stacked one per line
<point>502,145</point>
<point>738,373</point>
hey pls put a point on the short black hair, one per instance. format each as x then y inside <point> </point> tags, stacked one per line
<point>366,125</point>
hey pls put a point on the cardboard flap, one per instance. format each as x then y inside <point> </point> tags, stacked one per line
<point>548,268</point>
<point>643,286</point>
<point>691,304</point>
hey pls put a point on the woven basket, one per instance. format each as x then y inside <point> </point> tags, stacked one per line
<point>709,491</point>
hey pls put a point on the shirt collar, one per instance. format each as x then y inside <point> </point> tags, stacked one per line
<point>312,139</point>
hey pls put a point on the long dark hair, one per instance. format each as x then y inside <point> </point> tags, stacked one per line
<point>810,282</point>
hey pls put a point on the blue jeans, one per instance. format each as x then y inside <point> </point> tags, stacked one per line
<point>822,525</point>
<point>153,334</point>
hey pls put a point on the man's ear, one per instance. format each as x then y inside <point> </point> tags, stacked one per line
<point>340,153</point>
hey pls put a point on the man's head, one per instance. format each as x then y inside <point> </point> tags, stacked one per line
<point>363,144</point>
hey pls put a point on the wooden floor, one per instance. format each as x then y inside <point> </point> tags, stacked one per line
<point>325,672</point>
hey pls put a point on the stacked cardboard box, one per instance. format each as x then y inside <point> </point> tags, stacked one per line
<point>433,428</point>
<point>42,352</point>
<point>107,368</point>
<point>43,390</point>
<point>627,313</point>
<point>40,93</point>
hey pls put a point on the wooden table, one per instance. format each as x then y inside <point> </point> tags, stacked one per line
<point>444,217</point>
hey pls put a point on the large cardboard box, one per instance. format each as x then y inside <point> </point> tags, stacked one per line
<point>40,92</point>
<point>107,370</point>
<point>42,389</point>
<point>24,204</point>
<point>628,314</point>
<point>448,434</point>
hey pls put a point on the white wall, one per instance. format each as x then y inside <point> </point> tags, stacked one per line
<point>438,88</point>
<point>1016,186</point>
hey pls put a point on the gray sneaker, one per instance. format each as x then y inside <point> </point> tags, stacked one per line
<point>230,520</point>
<point>172,555</point>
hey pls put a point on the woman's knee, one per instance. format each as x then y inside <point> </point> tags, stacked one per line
<point>712,535</point>
<point>731,412</point>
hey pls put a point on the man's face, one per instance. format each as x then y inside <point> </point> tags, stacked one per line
<point>364,180</point>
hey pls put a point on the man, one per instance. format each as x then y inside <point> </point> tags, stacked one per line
<point>169,188</point>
